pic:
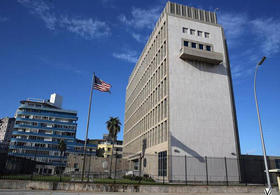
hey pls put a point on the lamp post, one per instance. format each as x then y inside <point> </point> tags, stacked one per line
<point>260,125</point>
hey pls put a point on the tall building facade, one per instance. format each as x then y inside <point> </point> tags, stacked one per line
<point>179,98</point>
<point>39,127</point>
<point>6,128</point>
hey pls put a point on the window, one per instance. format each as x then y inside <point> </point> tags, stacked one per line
<point>207,35</point>
<point>192,31</point>
<point>199,33</point>
<point>193,45</point>
<point>145,162</point>
<point>208,47</point>
<point>201,46</point>
<point>172,8</point>
<point>186,43</point>
<point>185,30</point>
<point>277,163</point>
<point>162,163</point>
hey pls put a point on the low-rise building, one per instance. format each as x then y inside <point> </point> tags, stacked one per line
<point>107,144</point>
<point>6,128</point>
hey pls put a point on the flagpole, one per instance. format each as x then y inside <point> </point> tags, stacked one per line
<point>89,109</point>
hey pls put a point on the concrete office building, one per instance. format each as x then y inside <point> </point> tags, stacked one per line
<point>39,127</point>
<point>179,97</point>
<point>6,128</point>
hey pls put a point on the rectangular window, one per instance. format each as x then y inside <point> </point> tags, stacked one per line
<point>172,8</point>
<point>186,43</point>
<point>201,46</point>
<point>199,33</point>
<point>193,45</point>
<point>185,30</point>
<point>162,163</point>
<point>208,47</point>
<point>192,31</point>
<point>207,35</point>
<point>183,10</point>
<point>277,163</point>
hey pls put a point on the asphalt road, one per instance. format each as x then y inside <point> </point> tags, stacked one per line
<point>35,192</point>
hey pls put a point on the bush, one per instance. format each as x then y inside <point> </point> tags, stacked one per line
<point>139,178</point>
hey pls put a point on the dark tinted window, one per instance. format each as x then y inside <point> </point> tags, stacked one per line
<point>208,47</point>
<point>186,43</point>
<point>193,45</point>
<point>200,46</point>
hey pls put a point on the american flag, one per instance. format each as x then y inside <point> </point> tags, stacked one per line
<point>101,85</point>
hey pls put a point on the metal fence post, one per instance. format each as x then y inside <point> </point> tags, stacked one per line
<point>186,170</point>
<point>244,170</point>
<point>226,171</point>
<point>115,167</point>
<point>262,171</point>
<point>206,167</point>
<point>89,166</point>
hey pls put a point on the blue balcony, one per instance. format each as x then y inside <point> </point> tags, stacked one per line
<point>42,135</point>
<point>37,156</point>
<point>48,109</point>
<point>45,149</point>
<point>45,121</point>
<point>48,114</point>
<point>44,128</point>
<point>35,141</point>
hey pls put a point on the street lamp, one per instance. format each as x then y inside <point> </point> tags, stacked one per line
<point>260,125</point>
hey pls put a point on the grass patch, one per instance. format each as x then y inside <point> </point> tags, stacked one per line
<point>36,178</point>
<point>121,181</point>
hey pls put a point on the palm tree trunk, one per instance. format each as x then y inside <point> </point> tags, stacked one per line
<point>112,158</point>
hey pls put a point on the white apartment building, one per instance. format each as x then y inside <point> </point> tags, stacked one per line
<point>179,97</point>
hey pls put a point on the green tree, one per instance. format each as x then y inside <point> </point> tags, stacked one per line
<point>114,127</point>
<point>100,152</point>
<point>62,148</point>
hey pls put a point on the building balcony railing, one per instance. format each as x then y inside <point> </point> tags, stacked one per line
<point>48,114</point>
<point>35,141</point>
<point>42,135</point>
<point>59,111</point>
<point>37,156</point>
<point>70,144</point>
<point>16,126</point>
<point>45,121</point>
<point>211,57</point>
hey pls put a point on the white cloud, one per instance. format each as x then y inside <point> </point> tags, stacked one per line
<point>41,9</point>
<point>267,31</point>
<point>3,19</point>
<point>138,37</point>
<point>130,56</point>
<point>87,28</point>
<point>248,40</point>
<point>142,18</point>
<point>234,25</point>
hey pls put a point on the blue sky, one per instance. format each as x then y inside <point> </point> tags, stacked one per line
<point>55,46</point>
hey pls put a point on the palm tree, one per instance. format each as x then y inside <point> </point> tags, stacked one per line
<point>114,127</point>
<point>62,148</point>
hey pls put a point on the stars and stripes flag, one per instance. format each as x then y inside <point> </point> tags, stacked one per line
<point>101,85</point>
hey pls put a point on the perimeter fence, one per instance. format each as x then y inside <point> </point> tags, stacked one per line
<point>136,168</point>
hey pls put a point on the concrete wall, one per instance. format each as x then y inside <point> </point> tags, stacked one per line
<point>78,187</point>
<point>97,165</point>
